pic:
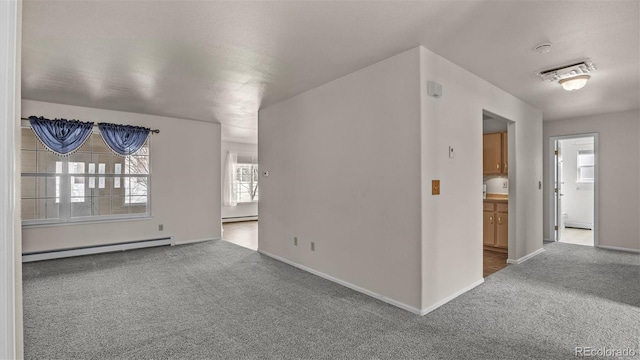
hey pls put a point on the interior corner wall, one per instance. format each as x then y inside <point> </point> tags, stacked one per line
<point>343,162</point>
<point>242,210</point>
<point>452,221</point>
<point>18,216</point>
<point>10,264</point>
<point>185,183</point>
<point>618,170</point>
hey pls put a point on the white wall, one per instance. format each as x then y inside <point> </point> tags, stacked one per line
<point>452,221</point>
<point>10,263</point>
<point>619,173</point>
<point>185,183</point>
<point>344,172</point>
<point>351,164</point>
<point>577,200</point>
<point>243,209</point>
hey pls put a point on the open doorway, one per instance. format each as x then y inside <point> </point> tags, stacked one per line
<point>497,149</point>
<point>574,183</point>
<point>240,194</point>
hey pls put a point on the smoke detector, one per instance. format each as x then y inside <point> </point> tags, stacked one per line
<point>571,77</point>
<point>543,48</point>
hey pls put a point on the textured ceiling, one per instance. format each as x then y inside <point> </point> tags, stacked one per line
<point>222,61</point>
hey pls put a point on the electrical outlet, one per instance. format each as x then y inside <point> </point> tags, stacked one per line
<point>451,152</point>
<point>295,241</point>
<point>505,184</point>
<point>313,246</point>
<point>160,227</point>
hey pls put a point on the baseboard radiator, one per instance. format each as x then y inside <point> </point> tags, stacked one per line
<point>89,250</point>
<point>240,218</point>
<point>578,225</point>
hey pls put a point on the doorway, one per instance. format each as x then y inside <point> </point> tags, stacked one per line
<point>574,184</point>
<point>240,193</point>
<point>498,152</point>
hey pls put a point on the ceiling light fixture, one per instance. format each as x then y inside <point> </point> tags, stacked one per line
<point>571,77</point>
<point>574,83</point>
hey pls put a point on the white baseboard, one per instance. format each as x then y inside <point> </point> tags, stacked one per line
<point>346,284</point>
<point>63,253</point>
<point>525,258</point>
<point>380,297</point>
<point>451,297</point>
<point>618,248</point>
<point>194,241</point>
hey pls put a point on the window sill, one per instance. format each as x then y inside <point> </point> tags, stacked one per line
<point>86,222</point>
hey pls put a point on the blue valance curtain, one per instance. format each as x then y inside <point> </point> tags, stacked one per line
<point>124,139</point>
<point>61,136</point>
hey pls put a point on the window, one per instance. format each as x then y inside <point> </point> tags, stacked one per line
<point>245,182</point>
<point>586,169</point>
<point>90,184</point>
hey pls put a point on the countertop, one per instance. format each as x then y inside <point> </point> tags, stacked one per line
<point>501,198</point>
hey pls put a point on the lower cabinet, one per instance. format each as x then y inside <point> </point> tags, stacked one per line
<point>495,228</point>
<point>489,228</point>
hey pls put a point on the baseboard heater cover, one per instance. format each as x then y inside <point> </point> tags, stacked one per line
<point>240,218</point>
<point>89,250</point>
<point>578,225</point>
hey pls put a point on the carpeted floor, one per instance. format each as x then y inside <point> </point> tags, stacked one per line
<point>217,300</point>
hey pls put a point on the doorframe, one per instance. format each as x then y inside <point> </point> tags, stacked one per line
<point>10,275</point>
<point>596,184</point>
<point>511,178</point>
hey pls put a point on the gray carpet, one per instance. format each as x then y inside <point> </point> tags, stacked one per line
<point>217,300</point>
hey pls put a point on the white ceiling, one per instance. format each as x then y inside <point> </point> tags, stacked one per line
<point>222,61</point>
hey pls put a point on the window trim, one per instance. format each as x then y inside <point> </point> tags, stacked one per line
<point>68,220</point>
<point>86,222</point>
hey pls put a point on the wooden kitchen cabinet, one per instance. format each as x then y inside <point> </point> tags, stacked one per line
<point>505,153</point>
<point>495,230</point>
<point>488,228</point>
<point>502,230</point>
<point>495,153</point>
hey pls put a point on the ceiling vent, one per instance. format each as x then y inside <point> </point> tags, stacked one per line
<point>571,77</point>
<point>581,68</point>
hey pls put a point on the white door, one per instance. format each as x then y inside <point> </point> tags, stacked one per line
<point>557,185</point>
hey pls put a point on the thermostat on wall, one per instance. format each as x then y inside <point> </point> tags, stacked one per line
<point>434,89</point>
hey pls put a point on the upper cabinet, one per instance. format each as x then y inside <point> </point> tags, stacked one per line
<point>505,153</point>
<point>495,154</point>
